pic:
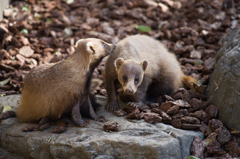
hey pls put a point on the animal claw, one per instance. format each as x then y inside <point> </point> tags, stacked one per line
<point>135,105</point>
<point>111,107</point>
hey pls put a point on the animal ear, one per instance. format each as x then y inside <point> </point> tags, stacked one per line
<point>144,64</point>
<point>90,47</point>
<point>77,43</point>
<point>118,62</point>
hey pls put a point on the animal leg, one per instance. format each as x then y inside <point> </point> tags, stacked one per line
<point>112,101</point>
<point>87,108</point>
<point>76,115</point>
<point>91,111</point>
<point>96,106</point>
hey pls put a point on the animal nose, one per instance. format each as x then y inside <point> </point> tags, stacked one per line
<point>114,46</point>
<point>129,91</point>
<point>110,47</point>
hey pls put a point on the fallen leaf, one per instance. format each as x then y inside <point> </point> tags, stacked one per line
<point>192,157</point>
<point>25,8</point>
<point>6,108</point>
<point>49,20</point>
<point>143,28</point>
<point>198,63</point>
<point>24,31</point>
<point>5,81</point>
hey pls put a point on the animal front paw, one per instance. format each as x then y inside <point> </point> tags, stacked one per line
<point>101,119</point>
<point>80,123</point>
<point>78,119</point>
<point>135,104</point>
<point>111,107</point>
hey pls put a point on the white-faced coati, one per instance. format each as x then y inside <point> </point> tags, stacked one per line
<point>53,89</point>
<point>145,70</point>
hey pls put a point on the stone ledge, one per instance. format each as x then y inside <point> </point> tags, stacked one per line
<point>136,139</point>
<point>7,155</point>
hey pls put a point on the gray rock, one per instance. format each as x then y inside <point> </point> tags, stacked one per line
<point>224,86</point>
<point>136,139</point>
<point>7,155</point>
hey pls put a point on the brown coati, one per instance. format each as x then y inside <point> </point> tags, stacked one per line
<point>51,90</point>
<point>145,70</point>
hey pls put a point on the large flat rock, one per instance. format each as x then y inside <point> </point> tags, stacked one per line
<point>136,139</point>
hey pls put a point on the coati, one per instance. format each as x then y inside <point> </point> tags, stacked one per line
<point>144,69</point>
<point>51,90</point>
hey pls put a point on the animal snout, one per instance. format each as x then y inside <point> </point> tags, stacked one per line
<point>129,91</point>
<point>113,47</point>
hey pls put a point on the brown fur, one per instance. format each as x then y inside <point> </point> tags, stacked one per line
<point>143,58</point>
<point>188,80</point>
<point>53,89</point>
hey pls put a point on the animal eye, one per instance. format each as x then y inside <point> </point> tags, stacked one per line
<point>106,46</point>
<point>136,80</point>
<point>125,78</point>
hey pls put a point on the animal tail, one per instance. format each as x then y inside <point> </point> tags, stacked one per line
<point>188,80</point>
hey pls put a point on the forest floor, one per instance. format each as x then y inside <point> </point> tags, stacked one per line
<point>36,32</point>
